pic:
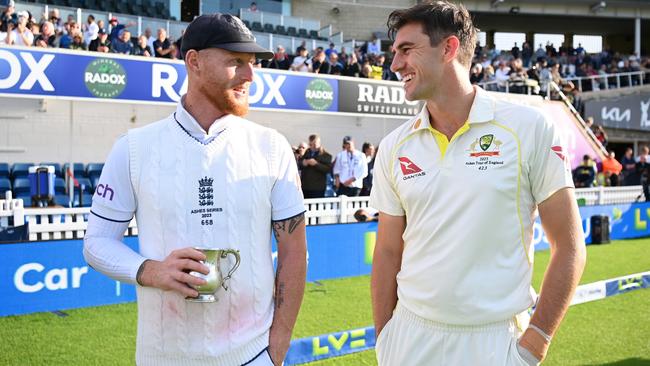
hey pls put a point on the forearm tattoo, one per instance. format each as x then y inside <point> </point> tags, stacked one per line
<point>287,226</point>
<point>279,289</point>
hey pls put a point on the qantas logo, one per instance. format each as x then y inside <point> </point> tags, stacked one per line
<point>409,169</point>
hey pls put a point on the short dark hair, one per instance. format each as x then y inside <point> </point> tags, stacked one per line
<point>440,19</point>
<point>313,137</point>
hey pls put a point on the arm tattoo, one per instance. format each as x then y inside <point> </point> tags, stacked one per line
<point>279,289</point>
<point>288,225</point>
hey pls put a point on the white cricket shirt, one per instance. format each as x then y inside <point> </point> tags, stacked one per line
<point>470,205</point>
<point>350,164</point>
<point>219,189</point>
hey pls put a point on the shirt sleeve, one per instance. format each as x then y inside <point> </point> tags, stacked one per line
<point>383,195</point>
<point>550,168</point>
<point>114,198</point>
<point>337,165</point>
<point>361,170</point>
<point>286,194</point>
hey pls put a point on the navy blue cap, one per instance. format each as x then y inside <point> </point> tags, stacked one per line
<point>221,31</point>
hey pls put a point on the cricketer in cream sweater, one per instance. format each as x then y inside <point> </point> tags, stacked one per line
<point>205,177</point>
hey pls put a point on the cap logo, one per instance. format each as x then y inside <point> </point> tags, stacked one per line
<point>242,27</point>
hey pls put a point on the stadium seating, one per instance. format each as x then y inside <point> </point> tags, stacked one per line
<point>257,27</point>
<point>57,168</point>
<point>79,170</point>
<point>62,200</point>
<point>4,170</point>
<point>94,170</point>
<point>88,187</point>
<point>27,199</point>
<point>20,170</point>
<point>292,32</point>
<point>141,8</point>
<point>21,187</point>
<point>5,185</point>
<point>59,186</point>
<point>280,29</point>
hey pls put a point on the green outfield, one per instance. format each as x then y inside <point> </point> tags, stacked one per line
<point>613,331</point>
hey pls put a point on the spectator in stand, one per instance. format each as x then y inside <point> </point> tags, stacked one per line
<point>502,75</point>
<point>611,169</point>
<point>584,174</point>
<point>4,33</point>
<point>178,44</point>
<point>57,22</point>
<point>65,39</point>
<point>336,68</point>
<point>343,56</point>
<point>281,60</point>
<point>319,64</point>
<point>298,152</point>
<point>368,150</point>
<point>645,153</point>
<point>349,169</point>
<point>515,51</point>
<point>488,77</point>
<point>101,43</point>
<point>116,29</point>
<point>476,75</point>
<point>316,163</point>
<point>643,172</point>
<point>628,163</point>
<point>9,15</point>
<point>352,67</point>
<point>526,54</point>
<point>123,43</point>
<point>329,51</point>
<point>301,62</point>
<point>366,69</point>
<point>162,46</point>
<point>150,39</point>
<point>142,48</point>
<point>253,6</point>
<point>78,42</point>
<point>601,135</point>
<point>540,53</point>
<point>372,48</point>
<point>589,123</point>
<point>47,38</point>
<point>22,35</point>
<point>580,50</point>
<point>517,77</point>
<point>91,29</point>
<point>581,72</point>
<point>101,25</point>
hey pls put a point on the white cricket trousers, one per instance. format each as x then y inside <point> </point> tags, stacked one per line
<point>408,339</point>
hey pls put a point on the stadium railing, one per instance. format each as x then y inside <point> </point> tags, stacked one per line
<point>599,82</point>
<point>611,81</point>
<point>70,223</point>
<point>172,27</point>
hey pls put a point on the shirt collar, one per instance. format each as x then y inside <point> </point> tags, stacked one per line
<point>482,110</point>
<point>189,124</point>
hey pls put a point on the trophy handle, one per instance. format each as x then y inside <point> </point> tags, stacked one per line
<point>224,254</point>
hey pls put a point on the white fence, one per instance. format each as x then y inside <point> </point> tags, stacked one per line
<point>70,223</point>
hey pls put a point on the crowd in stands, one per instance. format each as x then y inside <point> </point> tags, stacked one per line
<point>521,68</point>
<point>21,28</point>
<point>629,170</point>
<point>348,172</point>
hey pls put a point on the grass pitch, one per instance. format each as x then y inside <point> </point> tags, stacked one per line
<point>613,331</point>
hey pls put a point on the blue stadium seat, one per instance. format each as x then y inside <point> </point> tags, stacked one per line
<point>4,170</point>
<point>20,170</point>
<point>94,170</point>
<point>95,182</point>
<point>57,168</point>
<point>86,198</point>
<point>88,186</point>
<point>79,170</point>
<point>5,185</point>
<point>21,187</point>
<point>62,200</point>
<point>59,186</point>
<point>27,199</point>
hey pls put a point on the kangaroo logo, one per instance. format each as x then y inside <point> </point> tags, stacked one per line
<point>645,121</point>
